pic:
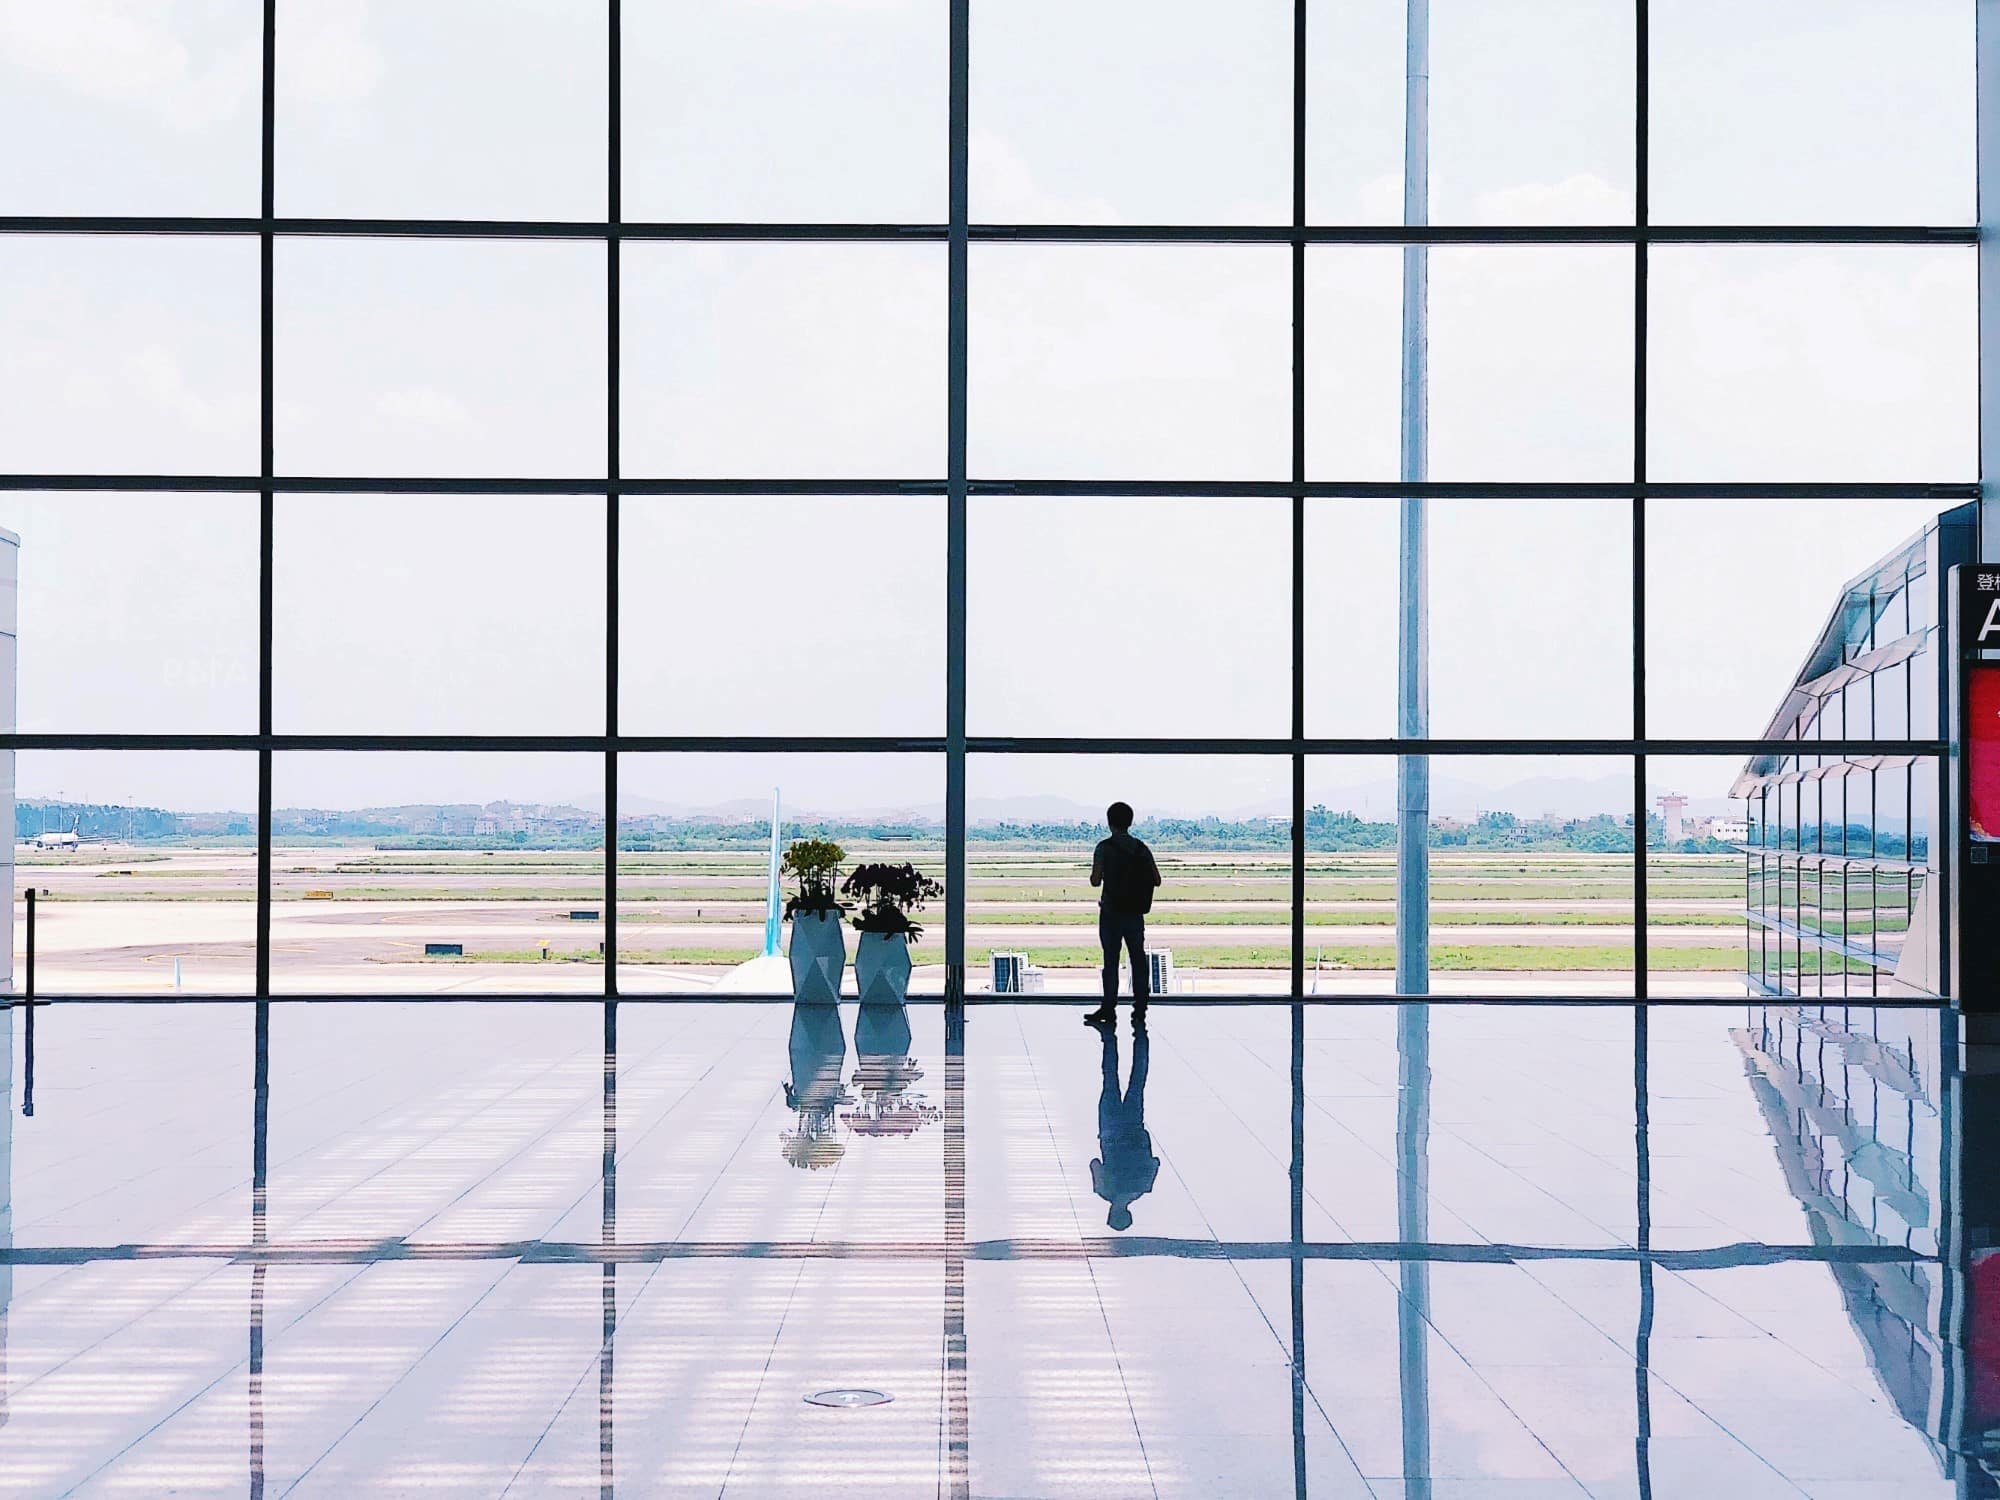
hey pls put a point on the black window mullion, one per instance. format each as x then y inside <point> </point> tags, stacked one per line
<point>614,210</point>
<point>1300,82</point>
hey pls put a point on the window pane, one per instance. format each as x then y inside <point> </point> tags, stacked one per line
<point>392,360</point>
<point>1078,622</point>
<point>1220,830</point>
<point>1531,363</point>
<point>696,657</point>
<point>1354,112</point>
<point>1530,618</point>
<point>1702,902</point>
<point>1130,362</point>
<point>694,840</point>
<point>1530,875</point>
<point>1529,369</point>
<point>787,361</point>
<point>1815,112</point>
<point>1131,113</point>
<point>739,111</point>
<point>1850,362</point>
<point>139,612</point>
<point>1738,593</point>
<point>149,865</point>
<point>424,873</point>
<point>439,632</point>
<point>1354,361</point>
<point>1532,105</point>
<point>131,109</point>
<point>128,355</point>
<point>1531,112</point>
<point>454,109</point>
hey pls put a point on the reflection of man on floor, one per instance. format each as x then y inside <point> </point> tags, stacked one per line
<point>1128,1169</point>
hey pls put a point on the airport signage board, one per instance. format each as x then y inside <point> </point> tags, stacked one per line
<point>1975,814</point>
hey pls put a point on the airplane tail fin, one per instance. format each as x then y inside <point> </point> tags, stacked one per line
<point>773,910</point>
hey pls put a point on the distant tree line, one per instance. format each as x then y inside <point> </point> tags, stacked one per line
<point>1327,831</point>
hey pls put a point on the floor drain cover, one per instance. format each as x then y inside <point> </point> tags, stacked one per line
<point>848,1397</point>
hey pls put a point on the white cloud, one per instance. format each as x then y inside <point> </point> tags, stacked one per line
<point>423,408</point>
<point>149,56</point>
<point>1584,198</point>
<point>328,53</point>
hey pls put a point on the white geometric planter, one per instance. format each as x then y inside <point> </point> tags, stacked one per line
<point>818,953</point>
<point>882,967</point>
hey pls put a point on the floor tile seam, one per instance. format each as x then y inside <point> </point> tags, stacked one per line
<point>496,1168</point>
<point>722,1171</point>
<point>771,1354</point>
<point>223,1375</point>
<point>138,1317</point>
<point>561,1406</point>
<point>509,1269</point>
<point>225,1265</point>
<point>598,1182</point>
<point>1386,1161</point>
<point>1870,1392</point>
<point>1248,1129</point>
<point>442,1133</point>
<point>1725,1429</point>
<point>1097,1291</point>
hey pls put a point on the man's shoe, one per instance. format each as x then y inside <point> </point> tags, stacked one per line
<point>1104,1015</point>
<point>1139,1015</point>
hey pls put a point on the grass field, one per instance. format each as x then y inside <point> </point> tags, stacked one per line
<point>360,916</point>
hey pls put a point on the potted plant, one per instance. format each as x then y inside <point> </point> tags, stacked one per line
<point>887,894</point>
<point>818,948</point>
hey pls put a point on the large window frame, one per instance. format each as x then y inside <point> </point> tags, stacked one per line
<point>952,490</point>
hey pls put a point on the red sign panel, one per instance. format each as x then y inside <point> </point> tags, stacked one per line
<point>1982,750</point>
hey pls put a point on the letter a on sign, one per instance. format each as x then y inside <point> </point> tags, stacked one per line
<point>1992,621</point>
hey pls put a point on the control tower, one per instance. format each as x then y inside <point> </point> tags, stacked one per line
<point>1672,805</point>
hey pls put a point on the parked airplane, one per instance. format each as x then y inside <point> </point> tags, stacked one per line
<point>61,843</point>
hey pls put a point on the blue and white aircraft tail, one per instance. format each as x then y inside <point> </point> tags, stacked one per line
<point>770,973</point>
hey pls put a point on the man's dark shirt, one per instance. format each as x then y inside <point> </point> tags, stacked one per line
<point>1123,866</point>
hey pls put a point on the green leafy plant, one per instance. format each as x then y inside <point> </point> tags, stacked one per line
<point>813,863</point>
<point>887,895</point>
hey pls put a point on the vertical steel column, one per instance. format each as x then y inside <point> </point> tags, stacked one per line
<point>1413,786</point>
<point>1413,618</point>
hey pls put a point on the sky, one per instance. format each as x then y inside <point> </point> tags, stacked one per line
<point>766,615</point>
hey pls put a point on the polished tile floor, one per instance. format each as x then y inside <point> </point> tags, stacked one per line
<point>484,1249</point>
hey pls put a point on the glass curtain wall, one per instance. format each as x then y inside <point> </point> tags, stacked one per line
<point>481,465</point>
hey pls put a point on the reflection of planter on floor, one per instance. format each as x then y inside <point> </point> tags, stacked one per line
<point>819,955</point>
<point>882,967</point>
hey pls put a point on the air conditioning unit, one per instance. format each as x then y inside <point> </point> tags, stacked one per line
<point>1159,964</point>
<point>1009,973</point>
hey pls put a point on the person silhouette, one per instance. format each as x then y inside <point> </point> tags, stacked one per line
<point>1123,870</point>
<point>1127,1169</point>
